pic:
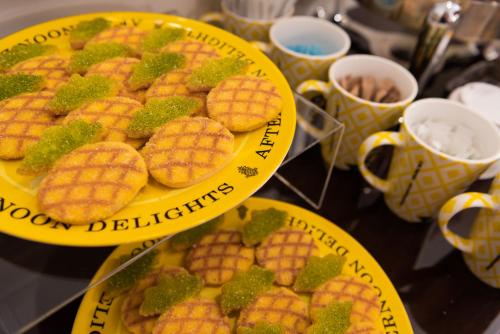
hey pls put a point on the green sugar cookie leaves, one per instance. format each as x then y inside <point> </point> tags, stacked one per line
<point>243,288</point>
<point>80,90</point>
<point>184,240</point>
<point>126,278</point>
<point>333,319</point>
<point>317,271</point>
<point>15,84</point>
<point>57,141</point>
<point>81,61</point>
<point>263,328</point>
<point>214,71</point>
<point>21,52</point>
<point>160,111</point>
<point>153,66</point>
<point>262,224</point>
<point>158,38</point>
<point>85,30</point>
<point>171,289</point>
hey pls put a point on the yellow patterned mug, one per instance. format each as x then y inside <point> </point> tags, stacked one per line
<point>421,179</point>
<point>305,31</point>
<point>361,117</point>
<point>244,27</point>
<point>481,249</point>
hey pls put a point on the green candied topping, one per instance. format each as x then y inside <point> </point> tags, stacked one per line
<point>263,327</point>
<point>127,277</point>
<point>22,52</point>
<point>158,38</point>
<point>333,319</point>
<point>171,290</point>
<point>214,71</point>
<point>243,288</point>
<point>81,61</point>
<point>152,66</point>
<point>157,112</point>
<point>57,141</point>
<point>81,90</point>
<point>262,224</point>
<point>317,271</point>
<point>184,240</point>
<point>85,30</point>
<point>15,84</point>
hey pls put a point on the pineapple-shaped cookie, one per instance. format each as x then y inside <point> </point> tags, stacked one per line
<point>285,252</point>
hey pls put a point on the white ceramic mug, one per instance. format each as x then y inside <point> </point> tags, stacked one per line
<point>245,27</point>
<point>421,179</point>
<point>361,117</point>
<point>305,30</point>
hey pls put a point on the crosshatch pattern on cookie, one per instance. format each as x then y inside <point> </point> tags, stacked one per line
<point>133,321</point>
<point>244,102</point>
<point>23,118</point>
<point>196,315</point>
<point>53,68</point>
<point>119,69</point>
<point>174,84</point>
<point>93,180</point>
<point>218,256</point>
<point>130,36</point>
<point>114,114</point>
<point>195,52</point>
<point>343,288</point>
<point>187,149</point>
<point>285,252</point>
<point>278,306</point>
<point>363,327</point>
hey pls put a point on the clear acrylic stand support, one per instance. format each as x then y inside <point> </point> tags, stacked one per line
<point>317,137</point>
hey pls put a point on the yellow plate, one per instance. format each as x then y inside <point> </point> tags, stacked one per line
<point>99,313</point>
<point>156,211</point>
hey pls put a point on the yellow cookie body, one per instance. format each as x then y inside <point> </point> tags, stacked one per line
<point>53,68</point>
<point>218,256</point>
<point>113,113</point>
<point>244,103</point>
<point>285,252</point>
<point>343,288</point>
<point>131,318</point>
<point>188,150</point>
<point>173,83</point>
<point>363,327</point>
<point>23,118</point>
<point>277,306</point>
<point>92,182</point>
<point>195,52</point>
<point>195,315</point>
<point>119,69</point>
<point>130,36</point>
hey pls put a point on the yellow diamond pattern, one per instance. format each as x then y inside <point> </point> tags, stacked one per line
<point>437,180</point>
<point>482,248</point>
<point>298,70</point>
<point>250,30</point>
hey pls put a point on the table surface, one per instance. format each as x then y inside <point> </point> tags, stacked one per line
<point>439,292</point>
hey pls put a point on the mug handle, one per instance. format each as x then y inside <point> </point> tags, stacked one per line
<point>370,143</point>
<point>454,206</point>
<point>319,86</point>
<point>212,17</point>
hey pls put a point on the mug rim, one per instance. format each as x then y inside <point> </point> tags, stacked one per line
<point>495,129</point>
<point>411,78</point>
<point>339,30</point>
<point>226,10</point>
